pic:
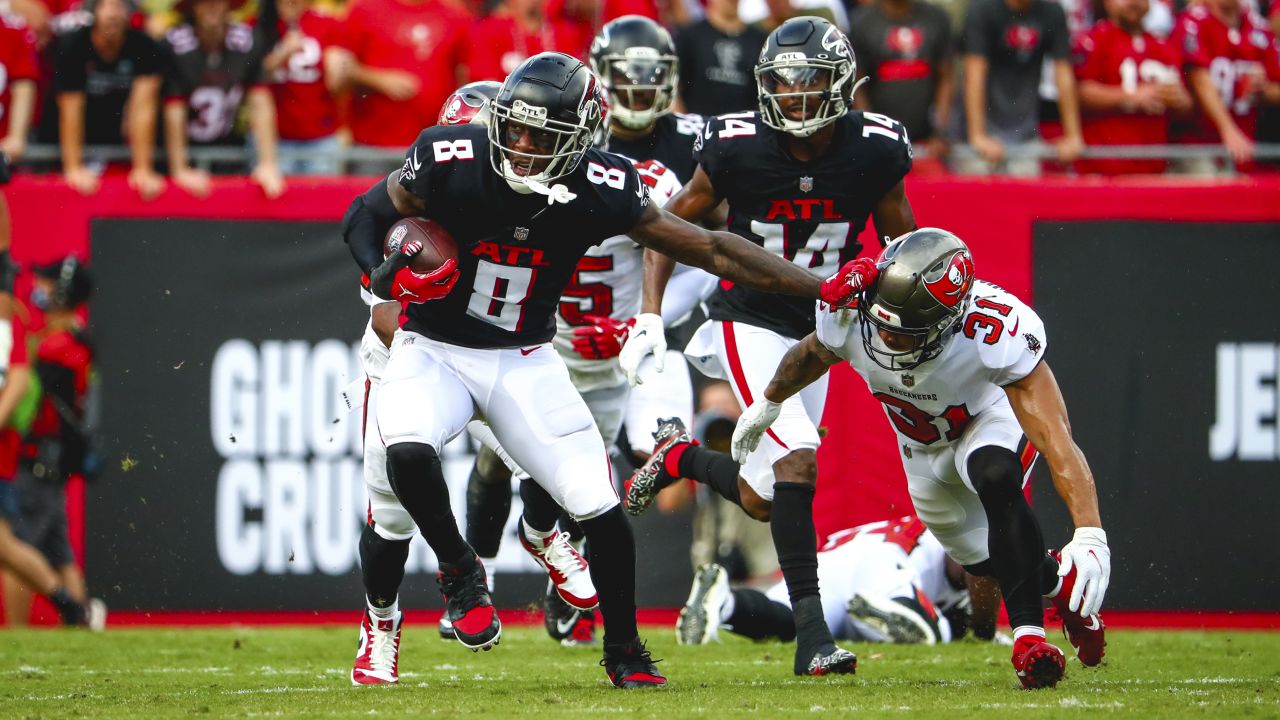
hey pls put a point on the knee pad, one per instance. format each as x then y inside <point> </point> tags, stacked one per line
<point>407,459</point>
<point>995,471</point>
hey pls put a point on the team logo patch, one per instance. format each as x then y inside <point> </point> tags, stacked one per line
<point>952,284</point>
<point>397,238</point>
<point>1033,343</point>
<point>521,234</point>
<point>1022,38</point>
<point>806,184</point>
<point>908,380</point>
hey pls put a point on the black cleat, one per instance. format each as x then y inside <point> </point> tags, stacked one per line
<point>631,667</point>
<point>467,604</point>
<point>900,620</point>
<point>643,485</point>
<point>830,660</point>
<point>565,623</point>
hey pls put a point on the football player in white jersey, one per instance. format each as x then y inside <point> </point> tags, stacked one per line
<point>959,366</point>
<point>887,581</point>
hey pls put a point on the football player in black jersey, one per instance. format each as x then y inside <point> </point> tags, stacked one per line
<point>801,177</point>
<point>524,199</point>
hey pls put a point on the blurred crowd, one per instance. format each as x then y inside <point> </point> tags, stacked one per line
<point>985,85</point>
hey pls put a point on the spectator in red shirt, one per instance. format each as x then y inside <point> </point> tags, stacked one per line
<point>580,20</point>
<point>18,73</point>
<point>405,57</point>
<point>1129,84</point>
<point>515,31</point>
<point>1232,65</point>
<point>305,69</point>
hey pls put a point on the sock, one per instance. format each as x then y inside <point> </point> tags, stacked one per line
<point>797,545</point>
<point>535,537</point>
<point>754,615</point>
<point>386,612</point>
<point>571,527</point>
<point>416,476</point>
<point>1022,630</point>
<point>613,571</point>
<point>540,509</point>
<point>1014,539</point>
<point>382,568</point>
<point>71,612</point>
<point>714,469</point>
<point>488,506</point>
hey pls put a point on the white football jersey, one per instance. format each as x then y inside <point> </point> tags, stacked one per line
<point>608,282</point>
<point>1000,341</point>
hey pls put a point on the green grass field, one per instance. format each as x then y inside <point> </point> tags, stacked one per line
<point>302,672</point>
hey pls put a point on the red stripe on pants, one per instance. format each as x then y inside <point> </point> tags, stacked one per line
<point>739,377</point>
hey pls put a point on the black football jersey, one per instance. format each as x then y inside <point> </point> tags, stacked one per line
<point>807,212</point>
<point>670,143</point>
<point>213,85</point>
<point>516,253</point>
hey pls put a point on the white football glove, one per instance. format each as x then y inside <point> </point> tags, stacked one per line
<point>751,426</point>
<point>648,336</point>
<point>1089,555</point>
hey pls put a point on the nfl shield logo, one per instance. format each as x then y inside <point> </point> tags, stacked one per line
<point>806,184</point>
<point>521,234</point>
<point>908,380</point>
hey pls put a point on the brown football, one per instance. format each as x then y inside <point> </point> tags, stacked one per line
<point>437,244</point>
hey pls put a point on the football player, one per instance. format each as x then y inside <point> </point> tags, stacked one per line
<point>959,366</point>
<point>524,198</point>
<point>887,581</point>
<point>801,177</point>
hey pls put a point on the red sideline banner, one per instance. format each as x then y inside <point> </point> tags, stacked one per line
<point>861,478</point>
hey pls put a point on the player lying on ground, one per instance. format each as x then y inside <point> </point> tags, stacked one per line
<point>959,366</point>
<point>521,221</point>
<point>888,581</point>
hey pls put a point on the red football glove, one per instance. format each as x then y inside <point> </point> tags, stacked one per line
<point>393,280</point>
<point>841,289</point>
<point>602,338</point>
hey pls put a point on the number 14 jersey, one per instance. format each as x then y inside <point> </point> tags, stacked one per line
<point>807,212</point>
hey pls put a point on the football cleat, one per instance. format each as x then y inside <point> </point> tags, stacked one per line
<point>1038,664</point>
<point>467,603</point>
<point>699,621</point>
<point>378,651</point>
<point>1086,634</point>
<point>831,660</point>
<point>584,630</point>
<point>643,485</point>
<point>565,566</point>
<point>96,614</point>
<point>566,624</point>
<point>631,667</point>
<point>901,620</point>
<point>445,627</point>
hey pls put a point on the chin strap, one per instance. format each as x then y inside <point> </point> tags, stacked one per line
<point>557,193</point>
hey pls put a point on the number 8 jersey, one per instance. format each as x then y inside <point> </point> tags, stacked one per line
<point>998,341</point>
<point>807,212</point>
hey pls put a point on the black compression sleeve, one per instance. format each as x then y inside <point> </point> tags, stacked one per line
<point>366,223</point>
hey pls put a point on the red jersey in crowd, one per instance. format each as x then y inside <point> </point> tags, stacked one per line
<point>578,19</point>
<point>304,108</point>
<point>1111,56</point>
<point>17,61</point>
<point>499,44</point>
<point>1234,58</point>
<point>428,39</point>
<point>10,439</point>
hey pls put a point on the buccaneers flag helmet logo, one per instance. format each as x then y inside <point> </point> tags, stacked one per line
<point>952,284</point>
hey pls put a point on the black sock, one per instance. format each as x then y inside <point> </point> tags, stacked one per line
<point>71,612</point>
<point>571,527</point>
<point>1015,541</point>
<point>714,469</point>
<point>416,476</point>
<point>540,509</point>
<point>381,566</point>
<point>612,550</point>
<point>759,618</point>
<point>797,544</point>
<point>488,506</point>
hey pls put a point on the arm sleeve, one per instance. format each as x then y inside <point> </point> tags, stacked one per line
<point>366,223</point>
<point>706,150</point>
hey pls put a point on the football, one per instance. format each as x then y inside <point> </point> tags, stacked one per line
<point>437,244</point>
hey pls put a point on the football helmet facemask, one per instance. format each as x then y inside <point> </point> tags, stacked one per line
<point>469,104</point>
<point>805,76</point>
<point>922,292</point>
<point>635,58</point>
<point>544,119</point>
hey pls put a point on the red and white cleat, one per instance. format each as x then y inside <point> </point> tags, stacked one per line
<point>566,567</point>
<point>1038,664</point>
<point>1086,634</point>
<point>378,653</point>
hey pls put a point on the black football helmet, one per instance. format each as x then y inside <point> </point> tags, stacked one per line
<point>554,103</point>
<point>810,60</point>
<point>636,60</point>
<point>469,103</point>
<point>925,280</point>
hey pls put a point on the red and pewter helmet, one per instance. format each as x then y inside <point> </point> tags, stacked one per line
<point>922,291</point>
<point>469,104</point>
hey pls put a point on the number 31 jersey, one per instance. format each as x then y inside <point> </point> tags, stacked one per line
<point>516,253</point>
<point>1000,341</point>
<point>807,212</point>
